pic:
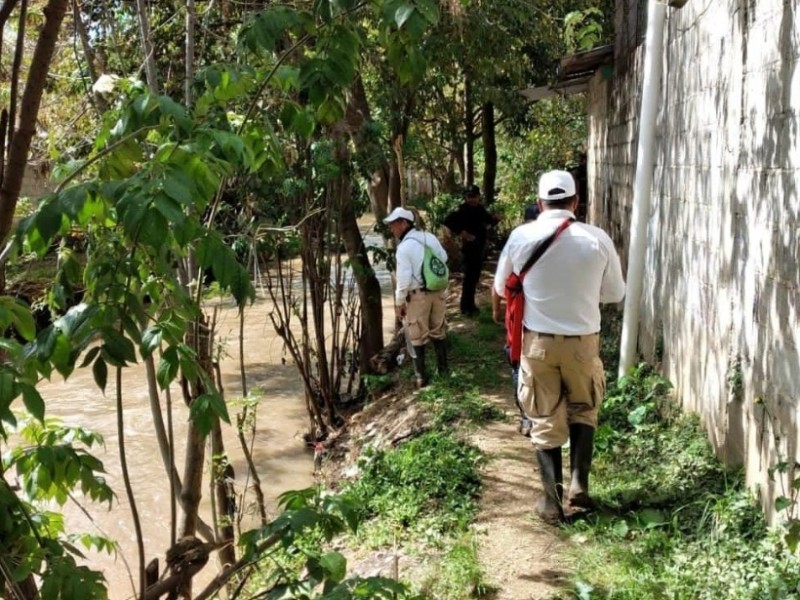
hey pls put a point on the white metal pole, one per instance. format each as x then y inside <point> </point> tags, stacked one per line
<point>643,182</point>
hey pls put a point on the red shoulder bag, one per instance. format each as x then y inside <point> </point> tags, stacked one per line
<point>515,298</point>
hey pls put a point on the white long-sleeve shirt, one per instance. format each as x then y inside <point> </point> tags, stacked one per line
<point>564,289</point>
<point>410,252</point>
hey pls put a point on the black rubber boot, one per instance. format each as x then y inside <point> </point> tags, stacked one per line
<point>440,346</point>
<point>419,367</point>
<point>548,507</point>
<point>581,446</point>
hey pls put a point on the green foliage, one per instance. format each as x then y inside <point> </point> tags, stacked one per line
<point>438,207</point>
<point>53,465</point>
<point>479,357</point>
<point>674,522</point>
<point>583,29</point>
<point>458,400</point>
<point>309,520</point>
<point>428,485</point>
<point>459,574</point>
<point>788,502</point>
<point>554,138</point>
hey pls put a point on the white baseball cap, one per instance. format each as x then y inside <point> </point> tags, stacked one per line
<point>556,185</point>
<point>399,213</point>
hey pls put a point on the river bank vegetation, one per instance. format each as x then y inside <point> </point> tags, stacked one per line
<point>188,143</point>
<point>234,146</point>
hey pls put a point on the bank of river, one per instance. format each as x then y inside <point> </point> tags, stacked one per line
<point>282,458</point>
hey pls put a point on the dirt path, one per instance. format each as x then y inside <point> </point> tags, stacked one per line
<point>519,553</point>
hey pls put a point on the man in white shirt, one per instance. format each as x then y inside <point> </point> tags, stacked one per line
<point>422,310</point>
<point>561,379</point>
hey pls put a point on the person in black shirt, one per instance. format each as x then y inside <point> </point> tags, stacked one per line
<point>470,221</point>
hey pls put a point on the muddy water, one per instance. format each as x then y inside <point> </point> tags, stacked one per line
<point>281,456</point>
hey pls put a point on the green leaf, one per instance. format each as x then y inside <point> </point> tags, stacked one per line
<point>240,285</point>
<point>72,200</point>
<point>171,108</point>
<point>22,319</point>
<point>33,401</point>
<point>207,249</point>
<point>188,362</point>
<point>62,357</point>
<point>792,537</point>
<point>330,111</point>
<point>334,565</point>
<point>90,356</point>
<point>217,404</point>
<point>12,347</point>
<point>100,373</point>
<point>620,529</point>
<point>202,414</point>
<point>402,14</point>
<point>287,78</point>
<point>48,220</point>
<point>429,10</point>
<point>167,367</point>
<point>132,209</point>
<point>230,145</point>
<point>154,230</point>
<point>651,518</point>
<point>151,340</point>
<point>178,191</point>
<point>118,350</point>
<point>782,503</point>
<point>8,388</point>
<point>171,211</point>
<point>42,347</point>
<point>75,319</point>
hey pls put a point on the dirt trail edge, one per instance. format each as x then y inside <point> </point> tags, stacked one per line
<point>519,553</point>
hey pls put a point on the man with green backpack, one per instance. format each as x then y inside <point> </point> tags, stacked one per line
<point>422,278</point>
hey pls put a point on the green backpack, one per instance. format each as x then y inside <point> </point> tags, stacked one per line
<point>435,274</point>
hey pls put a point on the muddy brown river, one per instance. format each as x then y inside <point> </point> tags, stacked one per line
<point>281,456</point>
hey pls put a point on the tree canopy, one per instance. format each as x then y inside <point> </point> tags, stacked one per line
<point>206,140</point>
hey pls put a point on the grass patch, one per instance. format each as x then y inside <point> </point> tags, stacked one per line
<point>675,523</point>
<point>423,495</point>
<point>478,353</point>
<point>456,399</point>
<point>459,574</point>
<point>424,489</point>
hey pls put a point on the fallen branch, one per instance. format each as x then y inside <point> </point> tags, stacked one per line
<point>385,361</point>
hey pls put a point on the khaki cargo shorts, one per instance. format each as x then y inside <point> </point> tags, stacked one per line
<point>561,382</point>
<point>425,316</point>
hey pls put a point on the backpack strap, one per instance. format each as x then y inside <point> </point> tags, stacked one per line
<point>543,246</point>
<point>424,245</point>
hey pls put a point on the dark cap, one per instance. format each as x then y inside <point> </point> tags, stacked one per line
<point>472,190</point>
<point>532,212</point>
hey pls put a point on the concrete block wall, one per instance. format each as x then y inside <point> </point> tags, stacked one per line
<point>721,305</point>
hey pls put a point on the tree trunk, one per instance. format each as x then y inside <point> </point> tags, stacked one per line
<point>369,288</point>
<point>164,448</point>
<point>147,45</point>
<point>357,118</point>
<point>91,62</point>
<point>223,476</point>
<point>395,187</point>
<point>19,51</point>
<point>489,153</point>
<point>469,129</point>
<point>31,99</point>
<point>452,183</point>
<point>189,70</point>
<point>198,338</point>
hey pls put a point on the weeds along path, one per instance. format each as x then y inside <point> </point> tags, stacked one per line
<point>519,553</point>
